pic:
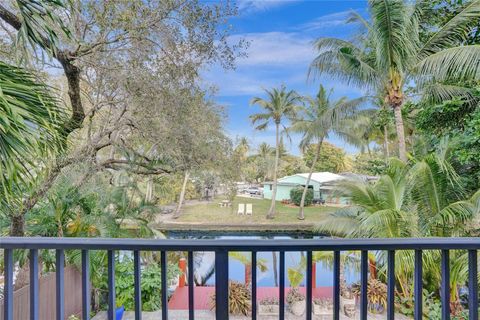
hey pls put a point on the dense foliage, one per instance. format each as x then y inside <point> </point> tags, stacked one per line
<point>296,196</point>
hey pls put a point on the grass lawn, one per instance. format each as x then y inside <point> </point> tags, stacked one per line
<point>212,214</point>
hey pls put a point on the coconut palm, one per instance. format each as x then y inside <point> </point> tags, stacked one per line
<point>320,117</point>
<point>389,56</point>
<point>280,105</point>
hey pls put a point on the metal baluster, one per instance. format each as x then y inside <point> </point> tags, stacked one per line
<point>85,285</point>
<point>254,285</point>
<point>309,285</point>
<point>8,288</point>
<point>191,301</point>
<point>33,284</point>
<point>60,292</point>
<point>364,284</point>
<point>137,285</point>
<point>472,285</point>
<point>445,290</point>
<point>281,304</point>
<point>221,285</point>
<point>336,285</point>
<point>391,285</point>
<point>418,285</point>
<point>163,265</point>
<point>111,285</point>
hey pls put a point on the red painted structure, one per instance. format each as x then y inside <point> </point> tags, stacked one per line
<point>203,301</point>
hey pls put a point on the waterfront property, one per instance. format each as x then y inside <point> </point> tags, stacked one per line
<point>322,183</point>
<point>221,250</point>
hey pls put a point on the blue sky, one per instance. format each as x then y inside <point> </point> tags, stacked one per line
<point>280,33</point>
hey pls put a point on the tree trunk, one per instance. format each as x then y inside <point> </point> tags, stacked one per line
<point>385,143</point>
<point>402,149</point>
<point>275,268</point>
<point>301,214</point>
<point>271,211</point>
<point>149,191</point>
<point>17,226</point>
<point>182,195</point>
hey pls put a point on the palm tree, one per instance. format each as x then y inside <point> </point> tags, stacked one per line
<point>390,55</point>
<point>30,130</point>
<point>279,105</point>
<point>421,200</point>
<point>320,117</point>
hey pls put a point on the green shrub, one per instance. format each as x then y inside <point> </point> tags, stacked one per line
<point>151,284</point>
<point>296,196</point>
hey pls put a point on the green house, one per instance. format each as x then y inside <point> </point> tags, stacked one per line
<point>322,184</point>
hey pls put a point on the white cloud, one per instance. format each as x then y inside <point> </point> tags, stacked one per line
<point>261,5</point>
<point>327,21</point>
<point>276,48</point>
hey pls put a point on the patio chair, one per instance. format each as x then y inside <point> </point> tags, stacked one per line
<point>241,208</point>
<point>249,210</point>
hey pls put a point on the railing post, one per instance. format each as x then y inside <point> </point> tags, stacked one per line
<point>111,285</point>
<point>472,285</point>
<point>391,285</point>
<point>418,286</point>
<point>336,285</point>
<point>445,289</point>
<point>60,290</point>
<point>221,284</point>
<point>191,287</point>
<point>33,284</point>
<point>85,285</point>
<point>137,285</point>
<point>8,286</point>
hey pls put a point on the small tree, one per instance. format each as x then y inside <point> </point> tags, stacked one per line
<point>296,196</point>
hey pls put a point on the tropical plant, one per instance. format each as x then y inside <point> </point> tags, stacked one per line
<point>239,299</point>
<point>422,200</point>
<point>319,118</point>
<point>31,129</point>
<point>294,295</point>
<point>390,54</point>
<point>279,105</point>
<point>376,295</point>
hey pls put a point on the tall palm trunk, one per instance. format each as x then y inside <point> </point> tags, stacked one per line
<point>385,143</point>
<point>271,211</point>
<point>301,214</point>
<point>17,226</point>
<point>402,148</point>
<point>275,268</point>
<point>182,195</point>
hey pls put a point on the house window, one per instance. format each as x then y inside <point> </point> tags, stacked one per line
<point>270,187</point>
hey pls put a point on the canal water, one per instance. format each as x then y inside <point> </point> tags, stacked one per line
<point>204,261</point>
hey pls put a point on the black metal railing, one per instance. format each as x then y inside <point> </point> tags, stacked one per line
<point>221,249</point>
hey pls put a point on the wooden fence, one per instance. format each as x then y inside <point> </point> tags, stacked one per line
<point>46,289</point>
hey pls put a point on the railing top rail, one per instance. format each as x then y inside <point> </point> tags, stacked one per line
<point>323,244</point>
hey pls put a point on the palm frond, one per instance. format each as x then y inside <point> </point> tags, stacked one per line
<point>457,63</point>
<point>454,31</point>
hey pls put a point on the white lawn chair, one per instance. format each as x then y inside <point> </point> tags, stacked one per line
<point>249,210</point>
<point>241,209</point>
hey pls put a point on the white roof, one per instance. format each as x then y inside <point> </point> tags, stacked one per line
<point>322,177</point>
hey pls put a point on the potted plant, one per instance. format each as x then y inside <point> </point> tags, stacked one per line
<point>239,299</point>
<point>296,302</point>
<point>376,295</point>
<point>268,307</point>
<point>322,307</point>
<point>347,304</point>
